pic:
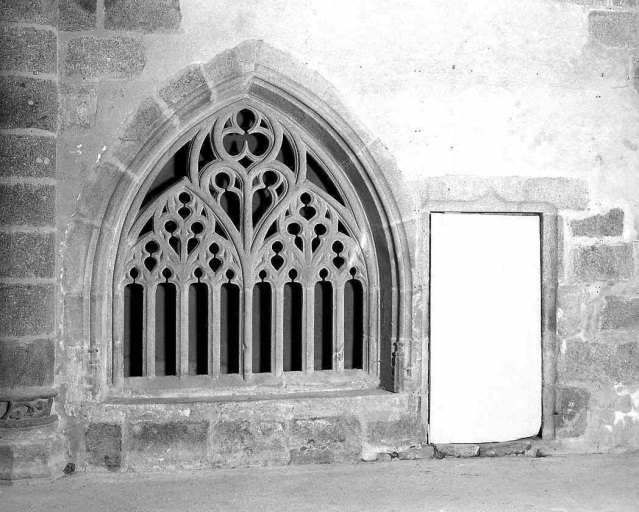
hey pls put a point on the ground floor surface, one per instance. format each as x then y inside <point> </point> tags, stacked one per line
<point>558,483</point>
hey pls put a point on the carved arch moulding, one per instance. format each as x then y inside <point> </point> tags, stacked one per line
<point>252,198</point>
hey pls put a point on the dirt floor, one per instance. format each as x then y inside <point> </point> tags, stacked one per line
<point>561,483</point>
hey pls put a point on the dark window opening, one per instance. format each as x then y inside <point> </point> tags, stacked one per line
<point>133,330</point>
<point>230,329</point>
<point>293,313</point>
<point>353,324</point>
<point>323,326</point>
<point>262,328</point>
<point>165,330</point>
<point>198,329</point>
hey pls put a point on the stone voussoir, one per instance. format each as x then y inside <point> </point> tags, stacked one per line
<point>185,89</point>
<point>232,63</point>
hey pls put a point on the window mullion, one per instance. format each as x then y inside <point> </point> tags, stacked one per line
<point>338,315</point>
<point>149,335</point>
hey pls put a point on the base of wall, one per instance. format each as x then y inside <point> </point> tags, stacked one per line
<point>31,453</point>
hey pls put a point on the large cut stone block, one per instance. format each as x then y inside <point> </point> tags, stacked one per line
<point>620,313</point>
<point>614,28</point>
<point>112,57</point>
<point>142,15</point>
<point>27,205</point>
<point>26,309</point>
<point>153,444</point>
<point>28,49</point>
<point>104,445</point>
<point>246,443</point>
<point>395,434</point>
<point>596,362</point>
<point>608,224</point>
<point>42,12</point>
<point>603,262</point>
<point>27,254</point>
<point>28,103</point>
<point>325,440</point>
<point>572,411</point>
<point>78,105</point>
<point>26,364</point>
<point>76,14</point>
<point>27,156</point>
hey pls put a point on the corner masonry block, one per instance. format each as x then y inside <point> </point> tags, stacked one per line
<point>26,309</point>
<point>249,443</point>
<point>142,15</point>
<point>28,103</point>
<point>394,435</point>
<point>42,12</point>
<point>28,49</point>
<point>112,57</point>
<point>325,440</point>
<point>620,313</point>
<point>600,363</point>
<point>26,364</point>
<point>27,156</point>
<point>603,262</point>
<point>77,14</point>
<point>571,418</point>
<point>189,88</point>
<point>614,28</point>
<point>571,302</point>
<point>153,444</point>
<point>30,205</point>
<point>608,224</point>
<point>104,445</point>
<point>27,255</point>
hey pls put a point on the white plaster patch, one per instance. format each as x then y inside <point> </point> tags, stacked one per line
<point>633,414</point>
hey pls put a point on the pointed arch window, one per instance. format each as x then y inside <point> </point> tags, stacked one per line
<point>247,258</point>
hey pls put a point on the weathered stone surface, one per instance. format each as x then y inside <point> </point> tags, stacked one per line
<point>28,49</point>
<point>104,445</point>
<point>457,450</point>
<point>625,3</point>
<point>325,440</point>
<point>28,103</point>
<point>26,310</point>
<point>27,254</point>
<point>27,205</point>
<point>608,224</point>
<point>245,443</point>
<point>27,156</point>
<point>595,362</point>
<point>603,262</point>
<point>635,73</point>
<point>614,28</point>
<point>78,105</point>
<point>20,461</point>
<point>43,12</point>
<point>504,449</point>
<point>232,63</point>
<point>148,118</point>
<point>571,419</point>
<point>25,364</point>
<point>76,14</point>
<point>563,193</point>
<point>142,15</point>
<point>571,301</point>
<point>620,313</point>
<point>161,443</point>
<point>79,237</point>
<point>394,434</point>
<point>113,57</point>
<point>184,87</point>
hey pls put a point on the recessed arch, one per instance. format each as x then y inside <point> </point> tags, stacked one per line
<point>250,72</point>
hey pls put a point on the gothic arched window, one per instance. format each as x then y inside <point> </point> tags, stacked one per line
<point>247,259</point>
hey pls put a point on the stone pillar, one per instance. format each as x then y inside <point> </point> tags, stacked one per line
<point>29,445</point>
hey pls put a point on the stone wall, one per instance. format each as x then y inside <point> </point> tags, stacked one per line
<point>527,102</point>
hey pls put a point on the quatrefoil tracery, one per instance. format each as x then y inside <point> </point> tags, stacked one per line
<point>246,209</point>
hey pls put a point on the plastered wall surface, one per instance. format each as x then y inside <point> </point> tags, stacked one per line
<point>531,102</point>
